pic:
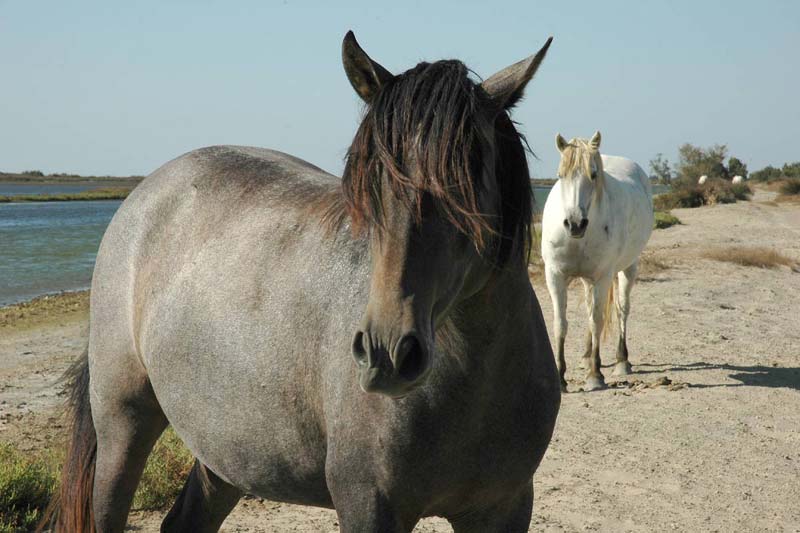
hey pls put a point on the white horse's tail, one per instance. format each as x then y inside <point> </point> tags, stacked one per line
<point>608,312</point>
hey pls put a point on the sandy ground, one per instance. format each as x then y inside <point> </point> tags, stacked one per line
<point>713,447</point>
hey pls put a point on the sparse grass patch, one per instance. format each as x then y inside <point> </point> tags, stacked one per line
<point>664,219</point>
<point>650,265</point>
<point>752,256</point>
<point>26,483</point>
<point>167,469</point>
<point>29,479</point>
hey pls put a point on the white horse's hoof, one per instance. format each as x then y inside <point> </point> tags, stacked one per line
<point>623,368</point>
<point>594,383</point>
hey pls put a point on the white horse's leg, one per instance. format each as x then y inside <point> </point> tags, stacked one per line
<point>557,286</point>
<point>626,279</point>
<point>594,379</point>
<point>587,301</point>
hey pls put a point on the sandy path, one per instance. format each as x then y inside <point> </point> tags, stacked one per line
<point>717,450</point>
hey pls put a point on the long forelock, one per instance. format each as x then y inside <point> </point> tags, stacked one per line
<point>426,121</point>
<point>577,156</point>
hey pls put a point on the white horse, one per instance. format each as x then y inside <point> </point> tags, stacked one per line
<point>597,219</point>
<point>702,179</point>
<point>737,179</point>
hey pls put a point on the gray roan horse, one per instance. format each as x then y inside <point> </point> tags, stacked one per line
<point>235,285</point>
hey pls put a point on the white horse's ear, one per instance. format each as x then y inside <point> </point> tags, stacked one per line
<point>505,88</point>
<point>595,140</point>
<point>561,143</point>
<point>365,75</point>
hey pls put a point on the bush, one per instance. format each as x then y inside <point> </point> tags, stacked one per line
<point>741,191</point>
<point>677,198</point>
<point>664,219</point>
<point>167,469</point>
<point>718,191</point>
<point>25,487</point>
<point>790,187</point>
<point>714,191</point>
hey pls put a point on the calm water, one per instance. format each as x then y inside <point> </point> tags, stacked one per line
<point>51,246</point>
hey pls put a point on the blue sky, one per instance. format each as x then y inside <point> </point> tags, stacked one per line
<point>120,88</point>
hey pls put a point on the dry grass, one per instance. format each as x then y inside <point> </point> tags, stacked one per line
<point>752,257</point>
<point>649,266</point>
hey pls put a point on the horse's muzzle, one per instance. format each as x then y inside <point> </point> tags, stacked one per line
<point>576,229</point>
<point>392,372</point>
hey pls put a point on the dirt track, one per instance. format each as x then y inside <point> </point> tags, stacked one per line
<point>713,447</point>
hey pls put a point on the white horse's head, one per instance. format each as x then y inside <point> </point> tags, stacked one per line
<point>580,173</point>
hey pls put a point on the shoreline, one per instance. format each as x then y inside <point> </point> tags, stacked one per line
<point>117,193</point>
<point>45,309</point>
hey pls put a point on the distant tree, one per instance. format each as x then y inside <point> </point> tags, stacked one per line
<point>37,173</point>
<point>737,168</point>
<point>768,173</point>
<point>694,161</point>
<point>659,166</point>
<point>791,170</point>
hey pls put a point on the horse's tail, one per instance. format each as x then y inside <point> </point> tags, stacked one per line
<point>608,312</point>
<point>70,510</point>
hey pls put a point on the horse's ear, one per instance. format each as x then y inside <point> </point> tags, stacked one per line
<point>365,75</point>
<point>595,140</point>
<point>561,142</point>
<point>506,87</point>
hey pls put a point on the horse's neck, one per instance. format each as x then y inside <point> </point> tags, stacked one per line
<point>493,310</point>
<point>601,205</point>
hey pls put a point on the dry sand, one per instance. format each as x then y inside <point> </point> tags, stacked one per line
<point>705,436</point>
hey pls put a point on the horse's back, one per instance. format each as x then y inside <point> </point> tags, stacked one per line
<point>631,194</point>
<point>628,172</point>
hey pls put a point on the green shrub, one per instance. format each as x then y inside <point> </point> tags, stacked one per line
<point>717,191</point>
<point>741,191</point>
<point>167,469</point>
<point>677,198</point>
<point>26,483</point>
<point>790,187</point>
<point>664,219</point>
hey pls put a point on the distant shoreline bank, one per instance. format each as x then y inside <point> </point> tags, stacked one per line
<point>116,193</point>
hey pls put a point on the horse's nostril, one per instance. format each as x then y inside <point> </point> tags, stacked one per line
<point>566,223</point>
<point>409,359</point>
<point>584,222</point>
<point>360,350</point>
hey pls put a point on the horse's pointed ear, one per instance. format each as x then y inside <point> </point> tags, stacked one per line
<point>506,87</point>
<point>365,75</point>
<point>561,143</point>
<point>595,140</point>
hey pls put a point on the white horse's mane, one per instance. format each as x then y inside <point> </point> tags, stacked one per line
<point>578,154</point>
